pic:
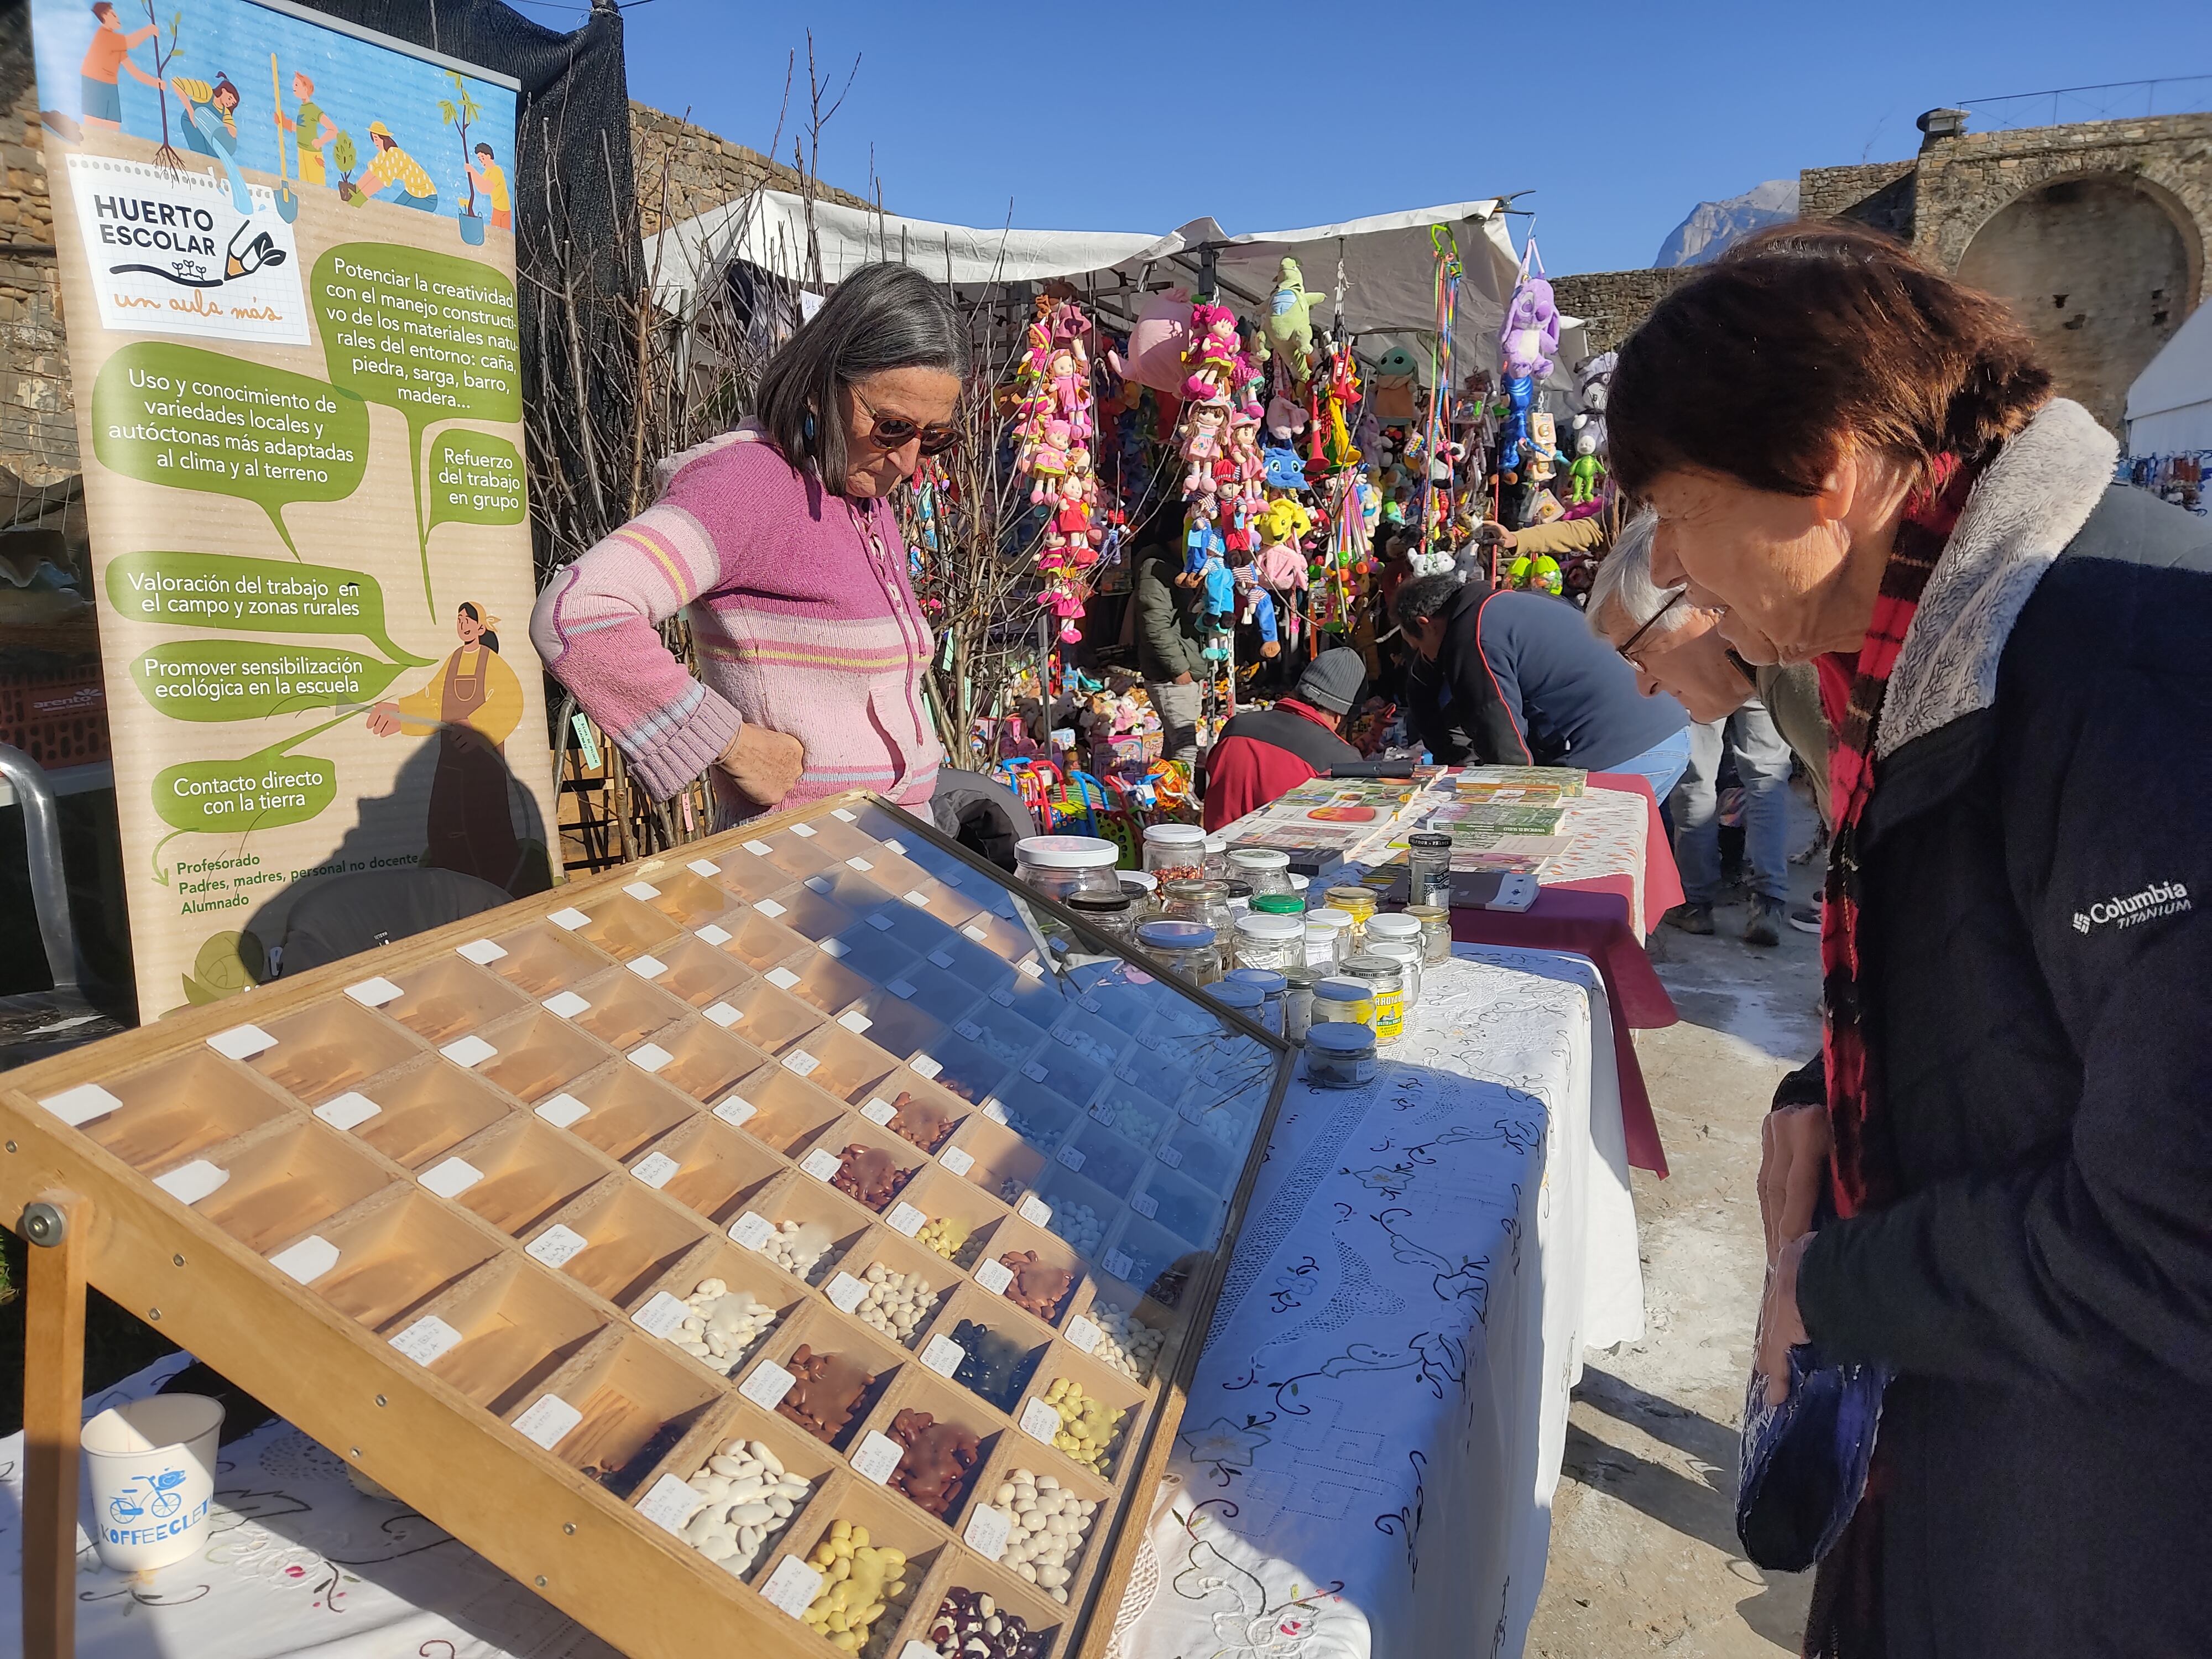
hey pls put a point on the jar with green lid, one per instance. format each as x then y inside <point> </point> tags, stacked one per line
<point>1339,1055</point>
<point>1428,868</point>
<point>1341,1000</point>
<point>1266,868</point>
<point>1399,937</point>
<point>1270,941</point>
<point>1328,938</point>
<point>1436,932</point>
<point>1385,979</point>
<point>1279,904</point>
<point>1188,947</point>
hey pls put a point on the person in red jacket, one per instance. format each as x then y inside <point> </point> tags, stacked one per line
<point>1267,752</point>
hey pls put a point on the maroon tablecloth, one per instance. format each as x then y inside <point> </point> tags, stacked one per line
<point>1591,918</point>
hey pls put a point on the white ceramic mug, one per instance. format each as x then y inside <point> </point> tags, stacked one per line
<point>152,1463</point>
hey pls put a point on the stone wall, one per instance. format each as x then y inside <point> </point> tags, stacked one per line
<point>2096,231</point>
<point>1612,303</point>
<point>37,424</point>
<point>684,170</point>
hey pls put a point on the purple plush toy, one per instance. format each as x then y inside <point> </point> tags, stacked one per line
<point>1530,334</point>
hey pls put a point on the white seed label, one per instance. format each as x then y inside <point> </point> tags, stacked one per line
<point>735,1109</point>
<point>452,1177</point>
<point>879,1110</point>
<point>427,1339</point>
<point>804,831</point>
<point>241,1042</point>
<point>920,901</point>
<point>1034,1073</point>
<point>854,1021</point>
<point>1118,1263</point>
<point>1082,1335</point>
<point>374,993</point>
<point>188,1183</point>
<point>842,816</point>
<point>969,1029</point>
<point>660,1315</point>
<point>993,1276</point>
<point>926,1064</point>
<point>714,933</point>
<point>859,864</point>
<point>898,847</point>
<point>834,948</point>
<point>768,908</point>
<point>481,952</point>
<point>642,889</point>
<point>567,1005</point>
<point>348,1110</point>
<point>876,1456</point>
<point>905,1219</point>
<point>782,978</point>
<point>957,1160</point>
<point>767,1385</point>
<point>549,1421</point>
<point>723,1015</point>
<point>649,1056</point>
<point>569,920</point>
<point>800,1061</point>
<point>1170,1157</point>
<point>792,1586</point>
<point>647,967</point>
<point>471,1050</point>
<point>821,1164</point>
<point>818,884</point>
<point>556,1244</point>
<point>987,1531</point>
<point>1034,1210</point>
<point>903,989</point>
<point>977,932</point>
<point>1146,1206</point>
<point>942,958</point>
<point>307,1260</point>
<point>81,1105</point>
<point>751,1230</point>
<point>943,1355</point>
<point>758,848</point>
<point>1072,1157</point>
<point>1040,1421</point>
<point>706,867</point>
<point>845,1291</point>
<point>562,1110</point>
<point>670,1504</point>
<point>655,1169</point>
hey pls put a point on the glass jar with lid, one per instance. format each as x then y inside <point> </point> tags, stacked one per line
<point>1176,851</point>
<point>1239,897</point>
<point>1436,932</point>
<point>1270,941</point>
<point>1428,867</point>
<point>1273,987</point>
<point>1339,1055</point>
<point>1358,903</point>
<point>1385,979</point>
<point>1247,1000</point>
<point>1060,866</point>
<point>1340,1000</point>
<point>1266,868</point>
<point>1195,901</point>
<point>1114,915</point>
<point>1399,937</point>
<point>1188,947</point>
<point>1216,858</point>
<point>1328,938</point>
<point>1279,904</point>
<point>1143,888</point>
<point>1297,1001</point>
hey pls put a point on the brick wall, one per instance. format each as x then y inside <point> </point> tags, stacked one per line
<point>1612,303</point>
<point>1848,192</point>
<point>701,170</point>
<point>38,426</point>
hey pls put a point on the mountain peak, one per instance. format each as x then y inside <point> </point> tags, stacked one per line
<point>1712,227</point>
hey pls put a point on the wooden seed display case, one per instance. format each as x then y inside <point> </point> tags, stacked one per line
<point>444,1206</point>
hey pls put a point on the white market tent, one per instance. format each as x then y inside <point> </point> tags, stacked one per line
<point>2170,404</point>
<point>1384,264</point>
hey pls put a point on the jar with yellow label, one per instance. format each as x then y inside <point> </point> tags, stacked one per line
<point>1385,979</point>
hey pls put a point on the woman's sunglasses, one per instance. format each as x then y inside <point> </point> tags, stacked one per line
<point>890,432</point>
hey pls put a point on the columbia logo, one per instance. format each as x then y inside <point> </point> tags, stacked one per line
<point>2160,898</point>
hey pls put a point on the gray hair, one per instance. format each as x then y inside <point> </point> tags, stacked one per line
<point>1624,581</point>
<point>881,317</point>
<point>1424,595</point>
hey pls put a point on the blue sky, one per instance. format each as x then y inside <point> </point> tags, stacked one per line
<point>1139,115</point>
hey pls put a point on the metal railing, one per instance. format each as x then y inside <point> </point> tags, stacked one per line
<point>2114,100</point>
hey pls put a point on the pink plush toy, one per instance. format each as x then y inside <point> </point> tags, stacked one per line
<point>1157,344</point>
<point>1285,419</point>
<point>1063,602</point>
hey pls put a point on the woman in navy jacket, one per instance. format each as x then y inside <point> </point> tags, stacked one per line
<point>2006,1196</point>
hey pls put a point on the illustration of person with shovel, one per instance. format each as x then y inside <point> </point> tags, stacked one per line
<point>310,128</point>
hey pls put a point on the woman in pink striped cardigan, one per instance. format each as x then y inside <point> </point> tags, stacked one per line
<point>777,538</point>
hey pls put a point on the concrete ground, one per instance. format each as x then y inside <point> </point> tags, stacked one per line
<point>1644,1556</point>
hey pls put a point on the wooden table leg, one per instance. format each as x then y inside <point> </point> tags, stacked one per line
<point>57,1224</point>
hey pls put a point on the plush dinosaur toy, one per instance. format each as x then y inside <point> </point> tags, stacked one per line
<point>1582,474</point>
<point>1290,321</point>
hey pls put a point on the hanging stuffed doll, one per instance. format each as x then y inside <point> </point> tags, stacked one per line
<point>1290,323</point>
<point>1584,474</point>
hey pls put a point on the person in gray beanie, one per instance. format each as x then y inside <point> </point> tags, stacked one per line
<point>1264,753</point>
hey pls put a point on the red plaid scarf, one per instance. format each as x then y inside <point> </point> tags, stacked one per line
<point>1846,1613</point>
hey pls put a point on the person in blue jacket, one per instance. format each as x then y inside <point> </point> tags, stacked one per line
<point>1508,679</point>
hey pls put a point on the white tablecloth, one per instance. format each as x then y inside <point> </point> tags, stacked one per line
<point>1367,1459</point>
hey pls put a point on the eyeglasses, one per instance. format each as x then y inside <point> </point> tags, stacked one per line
<point>888,432</point>
<point>1628,644</point>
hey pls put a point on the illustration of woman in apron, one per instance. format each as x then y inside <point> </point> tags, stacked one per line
<point>474,702</point>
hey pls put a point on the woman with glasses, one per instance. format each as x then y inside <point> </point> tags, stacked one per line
<point>776,541</point>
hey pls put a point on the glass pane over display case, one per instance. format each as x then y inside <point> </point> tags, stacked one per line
<point>831,1204</point>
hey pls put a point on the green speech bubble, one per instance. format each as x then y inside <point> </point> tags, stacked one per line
<point>252,596</point>
<point>432,334</point>
<point>214,681</point>
<point>196,419</point>
<point>475,479</point>
<point>261,791</point>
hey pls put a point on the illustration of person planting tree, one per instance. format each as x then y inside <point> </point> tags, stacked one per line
<point>473,701</point>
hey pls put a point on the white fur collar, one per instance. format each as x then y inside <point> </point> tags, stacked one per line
<point>2033,500</point>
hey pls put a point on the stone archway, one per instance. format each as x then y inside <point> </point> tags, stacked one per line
<point>2099,269</point>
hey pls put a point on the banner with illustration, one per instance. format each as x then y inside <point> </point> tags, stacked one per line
<point>287,266</point>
